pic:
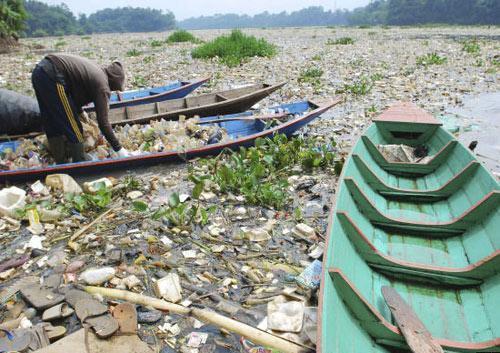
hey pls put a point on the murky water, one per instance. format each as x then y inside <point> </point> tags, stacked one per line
<point>479,118</point>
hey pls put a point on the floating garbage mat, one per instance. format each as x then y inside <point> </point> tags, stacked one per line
<point>169,263</point>
<point>405,154</point>
<point>158,136</point>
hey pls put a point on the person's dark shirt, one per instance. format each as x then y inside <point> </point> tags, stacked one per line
<point>88,83</point>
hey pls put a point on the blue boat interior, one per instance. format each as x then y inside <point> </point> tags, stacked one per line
<point>235,128</point>
<point>239,128</point>
<point>141,93</point>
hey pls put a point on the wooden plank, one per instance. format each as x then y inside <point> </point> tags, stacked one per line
<point>416,334</point>
<point>407,112</point>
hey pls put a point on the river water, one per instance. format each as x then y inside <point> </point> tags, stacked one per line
<point>479,120</point>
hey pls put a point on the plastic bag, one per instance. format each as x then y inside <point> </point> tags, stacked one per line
<point>19,114</point>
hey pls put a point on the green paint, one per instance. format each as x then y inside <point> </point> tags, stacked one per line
<point>428,230</point>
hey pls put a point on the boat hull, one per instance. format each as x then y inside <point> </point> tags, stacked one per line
<point>254,129</point>
<point>179,89</point>
<point>427,229</point>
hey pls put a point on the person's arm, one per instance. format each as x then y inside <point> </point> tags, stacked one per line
<point>102,109</point>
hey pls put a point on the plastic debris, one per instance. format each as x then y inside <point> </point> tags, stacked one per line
<point>96,276</point>
<point>311,276</point>
<point>11,199</point>
<point>196,339</point>
<point>64,183</point>
<point>304,230</point>
<point>284,315</point>
<point>92,186</point>
<point>169,288</point>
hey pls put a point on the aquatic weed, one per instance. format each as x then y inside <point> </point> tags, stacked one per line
<point>311,75</point>
<point>359,87</point>
<point>431,59</point>
<point>340,41</point>
<point>134,52</point>
<point>260,173</point>
<point>234,49</point>
<point>471,47</point>
<point>156,43</point>
<point>182,36</point>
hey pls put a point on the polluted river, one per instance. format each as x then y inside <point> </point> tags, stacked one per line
<point>240,235</point>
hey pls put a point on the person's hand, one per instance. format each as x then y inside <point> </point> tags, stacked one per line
<point>122,153</point>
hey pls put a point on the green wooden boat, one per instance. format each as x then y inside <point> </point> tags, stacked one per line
<point>430,229</point>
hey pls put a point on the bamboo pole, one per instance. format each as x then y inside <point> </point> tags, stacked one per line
<point>253,334</point>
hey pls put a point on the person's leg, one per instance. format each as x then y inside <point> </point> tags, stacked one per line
<point>60,112</point>
<point>74,129</point>
<point>42,85</point>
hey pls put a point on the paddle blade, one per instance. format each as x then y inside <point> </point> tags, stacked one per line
<point>416,334</point>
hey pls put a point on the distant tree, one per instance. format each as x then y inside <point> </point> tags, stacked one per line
<point>414,12</point>
<point>49,19</point>
<point>52,20</point>
<point>373,14</point>
<point>311,16</point>
<point>128,19</point>
<point>12,16</point>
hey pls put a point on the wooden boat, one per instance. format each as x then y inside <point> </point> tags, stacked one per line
<point>429,230</point>
<point>173,90</point>
<point>219,103</point>
<point>242,129</point>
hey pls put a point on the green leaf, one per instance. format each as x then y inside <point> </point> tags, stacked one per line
<point>139,206</point>
<point>194,178</point>
<point>173,200</point>
<point>198,189</point>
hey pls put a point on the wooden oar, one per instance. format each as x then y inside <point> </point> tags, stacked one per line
<point>256,117</point>
<point>416,334</point>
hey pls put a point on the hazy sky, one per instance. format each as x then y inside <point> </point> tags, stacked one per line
<point>188,8</point>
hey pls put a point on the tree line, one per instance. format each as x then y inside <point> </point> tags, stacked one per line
<point>12,17</point>
<point>418,12</point>
<point>56,20</point>
<point>36,18</point>
<point>379,12</point>
<point>311,16</point>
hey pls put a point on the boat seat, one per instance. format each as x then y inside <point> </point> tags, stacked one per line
<point>220,97</point>
<point>411,169</point>
<point>425,188</point>
<point>459,319</point>
<point>462,259</point>
<point>438,217</point>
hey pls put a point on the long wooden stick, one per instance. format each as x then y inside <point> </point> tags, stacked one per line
<point>256,117</point>
<point>82,231</point>
<point>255,335</point>
<point>417,336</point>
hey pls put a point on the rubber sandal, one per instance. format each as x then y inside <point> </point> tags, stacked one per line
<point>41,298</point>
<point>32,339</point>
<point>126,315</point>
<point>104,326</point>
<point>86,308</point>
<point>54,332</point>
<point>15,341</point>
<point>74,295</point>
<point>60,311</point>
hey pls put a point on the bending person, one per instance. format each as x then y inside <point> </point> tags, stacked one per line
<point>65,83</point>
